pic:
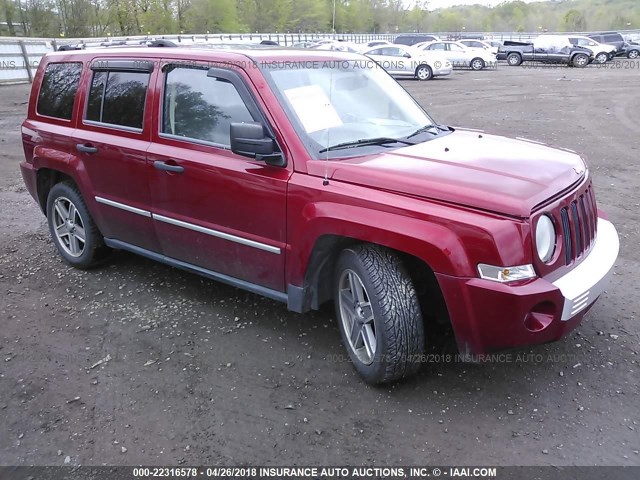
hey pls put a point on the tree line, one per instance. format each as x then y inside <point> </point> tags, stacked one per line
<point>86,18</point>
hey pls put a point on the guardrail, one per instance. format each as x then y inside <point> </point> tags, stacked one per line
<point>19,57</point>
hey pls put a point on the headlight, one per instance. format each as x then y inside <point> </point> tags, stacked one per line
<point>506,274</point>
<point>545,238</point>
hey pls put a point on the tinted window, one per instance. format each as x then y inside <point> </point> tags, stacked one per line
<point>58,90</point>
<point>613,38</point>
<point>201,107</point>
<point>392,52</point>
<point>413,39</point>
<point>118,98</point>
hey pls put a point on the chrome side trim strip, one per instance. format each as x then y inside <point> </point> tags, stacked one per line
<point>122,206</point>
<point>218,234</point>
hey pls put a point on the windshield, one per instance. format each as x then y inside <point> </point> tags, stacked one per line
<point>336,102</point>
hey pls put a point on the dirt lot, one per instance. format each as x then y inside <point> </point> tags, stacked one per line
<point>239,380</point>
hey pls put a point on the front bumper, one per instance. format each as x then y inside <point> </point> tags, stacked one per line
<point>488,316</point>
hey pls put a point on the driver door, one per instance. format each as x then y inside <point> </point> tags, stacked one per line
<point>212,208</point>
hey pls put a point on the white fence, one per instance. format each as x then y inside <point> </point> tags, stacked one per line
<point>19,57</point>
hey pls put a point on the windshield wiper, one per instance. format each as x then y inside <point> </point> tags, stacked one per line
<point>365,142</point>
<point>433,128</point>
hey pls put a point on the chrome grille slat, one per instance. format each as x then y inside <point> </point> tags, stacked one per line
<point>576,228</point>
<point>566,234</point>
<point>586,223</point>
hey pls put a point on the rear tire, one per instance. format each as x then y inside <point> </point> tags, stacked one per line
<point>378,314</point>
<point>633,54</point>
<point>580,60</point>
<point>477,64</point>
<point>424,72</point>
<point>72,228</point>
<point>514,59</point>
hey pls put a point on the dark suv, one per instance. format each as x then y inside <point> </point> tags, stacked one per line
<point>414,38</point>
<point>310,177</point>
<point>623,48</point>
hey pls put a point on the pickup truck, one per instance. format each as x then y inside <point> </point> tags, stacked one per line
<point>546,49</point>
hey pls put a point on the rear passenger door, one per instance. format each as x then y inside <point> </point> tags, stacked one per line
<point>212,208</point>
<point>112,140</point>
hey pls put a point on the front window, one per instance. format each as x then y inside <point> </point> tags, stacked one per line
<point>347,101</point>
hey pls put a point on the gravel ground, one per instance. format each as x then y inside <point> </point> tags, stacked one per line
<point>195,372</point>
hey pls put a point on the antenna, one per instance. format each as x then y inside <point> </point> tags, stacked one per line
<point>325,182</point>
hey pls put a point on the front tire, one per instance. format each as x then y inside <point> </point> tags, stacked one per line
<point>424,72</point>
<point>72,228</point>
<point>633,54</point>
<point>602,58</point>
<point>378,314</point>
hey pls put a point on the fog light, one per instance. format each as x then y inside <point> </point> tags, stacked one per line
<point>540,317</point>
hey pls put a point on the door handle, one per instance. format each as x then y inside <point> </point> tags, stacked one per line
<point>86,148</point>
<point>160,165</point>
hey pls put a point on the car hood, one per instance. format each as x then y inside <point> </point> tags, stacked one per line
<point>489,172</point>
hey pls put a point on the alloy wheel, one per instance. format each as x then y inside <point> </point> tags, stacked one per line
<point>357,316</point>
<point>69,227</point>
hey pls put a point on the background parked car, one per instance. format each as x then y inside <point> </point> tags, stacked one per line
<point>611,38</point>
<point>472,43</point>
<point>546,49</point>
<point>338,46</point>
<point>402,60</point>
<point>602,52</point>
<point>631,50</point>
<point>373,43</point>
<point>461,56</point>
<point>413,38</point>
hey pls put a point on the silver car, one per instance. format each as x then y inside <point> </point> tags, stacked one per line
<point>462,56</point>
<point>405,61</point>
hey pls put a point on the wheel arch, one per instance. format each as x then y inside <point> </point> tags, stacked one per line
<point>46,178</point>
<point>420,244</point>
<point>318,282</point>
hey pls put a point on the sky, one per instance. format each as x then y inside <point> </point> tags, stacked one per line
<point>433,4</point>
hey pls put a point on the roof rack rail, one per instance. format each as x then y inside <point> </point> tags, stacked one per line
<point>162,43</point>
<point>118,43</point>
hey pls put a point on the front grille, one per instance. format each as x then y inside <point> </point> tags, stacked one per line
<point>578,220</point>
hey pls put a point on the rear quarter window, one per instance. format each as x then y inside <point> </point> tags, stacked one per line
<point>58,90</point>
<point>118,98</point>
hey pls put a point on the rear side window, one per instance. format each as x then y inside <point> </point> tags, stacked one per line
<point>613,38</point>
<point>118,98</point>
<point>58,90</point>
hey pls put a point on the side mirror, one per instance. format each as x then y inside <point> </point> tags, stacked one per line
<point>249,140</point>
<point>406,55</point>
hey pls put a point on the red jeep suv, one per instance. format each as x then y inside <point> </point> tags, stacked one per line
<point>313,176</point>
